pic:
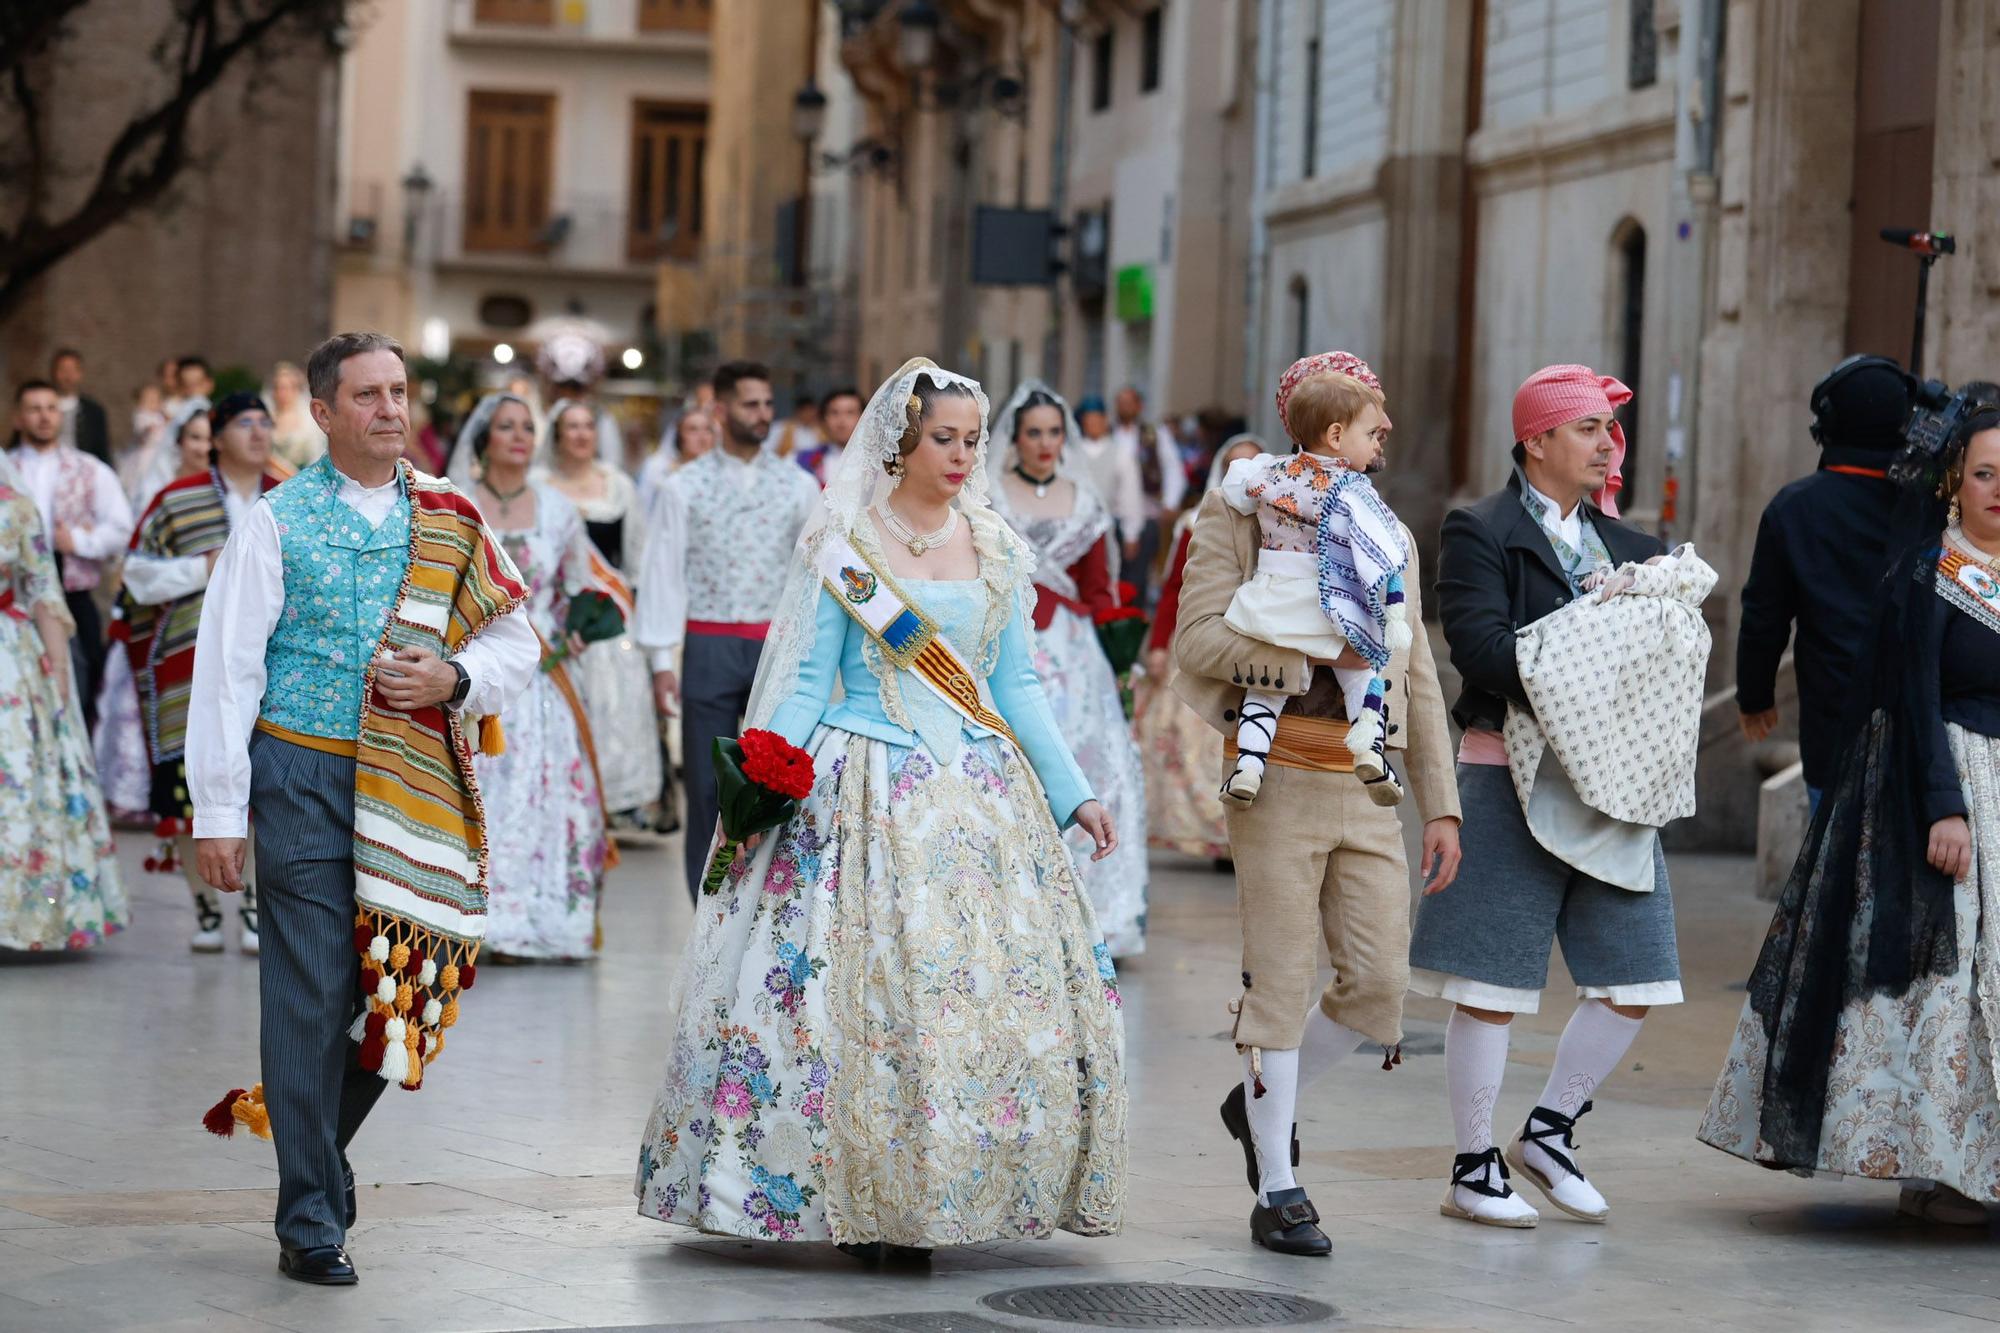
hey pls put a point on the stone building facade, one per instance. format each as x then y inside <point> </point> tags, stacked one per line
<point>235,262</point>
<point>1684,193</point>
<point>505,162</point>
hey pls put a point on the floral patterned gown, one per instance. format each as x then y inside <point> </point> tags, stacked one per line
<point>897,1019</point>
<point>59,882</point>
<point>544,815</point>
<point>1077,677</point>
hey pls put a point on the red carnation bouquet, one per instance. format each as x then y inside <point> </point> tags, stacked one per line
<point>760,778</point>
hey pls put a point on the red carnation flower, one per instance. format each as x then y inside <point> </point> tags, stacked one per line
<point>772,762</point>
<point>1127,593</point>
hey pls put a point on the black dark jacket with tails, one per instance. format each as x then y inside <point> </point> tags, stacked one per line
<point>1822,555</point>
<point>1496,573</point>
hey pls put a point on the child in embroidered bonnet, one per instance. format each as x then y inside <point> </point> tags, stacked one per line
<point>1330,568</point>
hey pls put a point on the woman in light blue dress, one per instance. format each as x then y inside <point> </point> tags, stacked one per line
<point>898,1022</point>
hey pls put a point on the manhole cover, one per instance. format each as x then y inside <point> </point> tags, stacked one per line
<point>1158,1305</point>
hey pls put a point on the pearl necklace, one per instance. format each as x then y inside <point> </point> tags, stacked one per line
<point>920,543</point>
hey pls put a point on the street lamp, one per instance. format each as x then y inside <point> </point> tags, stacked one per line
<point>633,358</point>
<point>808,113</point>
<point>503,353</point>
<point>417,187</point>
<point>917,35</point>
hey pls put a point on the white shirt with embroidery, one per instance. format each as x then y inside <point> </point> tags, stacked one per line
<point>720,543</point>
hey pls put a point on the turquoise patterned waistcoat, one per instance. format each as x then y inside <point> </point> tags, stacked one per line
<point>341,582</point>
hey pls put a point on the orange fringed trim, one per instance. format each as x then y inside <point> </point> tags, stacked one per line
<point>410,943</point>
<point>492,740</point>
<point>239,1107</point>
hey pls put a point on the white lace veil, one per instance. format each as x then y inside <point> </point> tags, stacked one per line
<point>1006,427</point>
<point>1090,512</point>
<point>463,470</point>
<point>859,481</point>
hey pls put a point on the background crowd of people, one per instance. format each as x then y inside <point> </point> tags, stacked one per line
<point>130,512</point>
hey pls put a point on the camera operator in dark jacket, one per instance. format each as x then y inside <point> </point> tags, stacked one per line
<point>1822,552</point>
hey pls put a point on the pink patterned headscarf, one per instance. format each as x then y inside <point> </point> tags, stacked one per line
<point>1556,395</point>
<point>1341,363</point>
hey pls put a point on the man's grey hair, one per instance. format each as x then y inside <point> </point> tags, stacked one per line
<point>323,366</point>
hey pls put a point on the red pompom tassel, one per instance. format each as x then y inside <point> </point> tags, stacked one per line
<point>363,937</point>
<point>221,1118</point>
<point>370,979</point>
<point>465,976</point>
<point>372,1048</point>
<point>373,1026</point>
<point>416,964</point>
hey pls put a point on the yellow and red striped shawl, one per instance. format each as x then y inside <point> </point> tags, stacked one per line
<point>419,835</point>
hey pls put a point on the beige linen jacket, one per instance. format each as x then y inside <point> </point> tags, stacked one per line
<point>1216,663</point>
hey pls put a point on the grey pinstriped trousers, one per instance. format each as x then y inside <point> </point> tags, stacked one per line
<point>310,981</point>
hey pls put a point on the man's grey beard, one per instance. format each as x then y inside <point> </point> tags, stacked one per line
<point>1376,464</point>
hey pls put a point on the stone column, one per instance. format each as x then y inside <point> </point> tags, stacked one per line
<point>1421,186</point>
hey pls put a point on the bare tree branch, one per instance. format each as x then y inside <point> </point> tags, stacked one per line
<point>152,149</point>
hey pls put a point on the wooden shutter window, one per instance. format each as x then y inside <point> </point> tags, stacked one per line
<point>669,150</point>
<point>675,15</point>
<point>508,161</point>
<point>541,13</point>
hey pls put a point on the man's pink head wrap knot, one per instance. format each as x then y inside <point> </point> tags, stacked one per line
<point>1557,395</point>
<point>1341,363</point>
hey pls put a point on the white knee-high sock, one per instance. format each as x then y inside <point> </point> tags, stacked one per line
<point>1271,1118</point>
<point>1475,1061</point>
<point>1256,725</point>
<point>1593,1042</point>
<point>1327,1042</point>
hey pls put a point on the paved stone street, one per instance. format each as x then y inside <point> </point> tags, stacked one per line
<point>500,1198</point>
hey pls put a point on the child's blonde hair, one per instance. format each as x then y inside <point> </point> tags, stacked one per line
<point>1325,401</point>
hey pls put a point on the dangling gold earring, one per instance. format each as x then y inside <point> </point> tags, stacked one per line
<point>894,467</point>
<point>1951,512</point>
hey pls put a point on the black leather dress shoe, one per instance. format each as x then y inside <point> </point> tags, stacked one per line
<point>1236,1119</point>
<point>347,1174</point>
<point>867,1251</point>
<point>322,1265</point>
<point>1289,1225</point>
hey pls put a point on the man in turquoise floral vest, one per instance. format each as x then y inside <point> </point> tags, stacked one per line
<point>317,619</point>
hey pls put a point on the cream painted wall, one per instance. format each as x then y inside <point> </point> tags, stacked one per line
<point>1547,291</point>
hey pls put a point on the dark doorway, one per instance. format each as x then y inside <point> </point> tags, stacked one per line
<point>1630,331</point>
<point>1895,119</point>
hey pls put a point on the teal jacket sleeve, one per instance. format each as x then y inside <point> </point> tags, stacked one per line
<point>1017,693</point>
<point>801,711</point>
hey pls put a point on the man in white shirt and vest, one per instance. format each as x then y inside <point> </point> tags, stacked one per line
<point>722,532</point>
<point>295,690</point>
<point>87,515</point>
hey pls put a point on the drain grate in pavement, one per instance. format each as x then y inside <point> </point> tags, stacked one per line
<point>921,1321</point>
<point>1158,1305</point>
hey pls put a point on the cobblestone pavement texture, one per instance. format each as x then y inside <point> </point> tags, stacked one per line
<point>500,1198</point>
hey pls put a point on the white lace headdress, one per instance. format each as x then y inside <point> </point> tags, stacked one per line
<point>1091,517</point>
<point>463,469</point>
<point>860,481</point>
<point>1007,425</point>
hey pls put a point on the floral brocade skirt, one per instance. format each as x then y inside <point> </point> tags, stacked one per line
<point>897,1020</point>
<point>59,879</point>
<point>1912,1093</point>
<point>1182,754</point>
<point>1083,695</point>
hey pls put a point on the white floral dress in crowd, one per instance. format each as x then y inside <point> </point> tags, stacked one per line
<point>59,880</point>
<point>1084,694</point>
<point>897,1019</point>
<point>544,815</point>
<point>613,677</point>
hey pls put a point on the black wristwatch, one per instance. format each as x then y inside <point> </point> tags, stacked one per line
<point>464,687</point>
